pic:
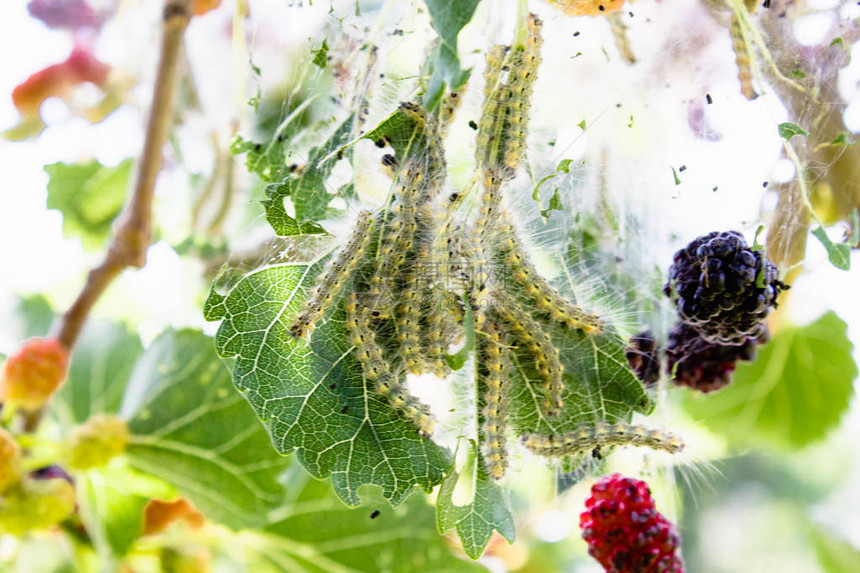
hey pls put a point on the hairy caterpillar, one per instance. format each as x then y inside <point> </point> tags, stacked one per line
<point>502,130</point>
<point>587,438</point>
<point>547,299</point>
<point>448,108</point>
<point>494,377</point>
<point>743,57</point>
<point>538,344</point>
<point>376,369</point>
<point>335,275</point>
<point>622,42</point>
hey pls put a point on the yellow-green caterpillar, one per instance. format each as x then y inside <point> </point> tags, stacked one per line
<point>334,276</point>
<point>377,371</point>
<point>493,376</point>
<point>602,434</point>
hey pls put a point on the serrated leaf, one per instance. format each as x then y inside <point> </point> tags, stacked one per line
<point>307,189</point>
<point>599,384</point>
<point>794,392</point>
<point>839,254</point>
<point>99,371</point>
<point>111,501</point>
<point>89,195</point>
<point>314,532</point>
<point>311,395</point>
<point>834,555</point>
<point>190,428</point>
<point>787,130</point>
<point>484,511</point>
<point>448,17</point>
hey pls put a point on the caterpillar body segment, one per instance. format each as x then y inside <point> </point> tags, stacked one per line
<point>602,434</point>
<point>377,371</point>
<point>535,287</point>
<point>335,276</point>
<point>493,378</point>
<point>531,338</point>
<point>408,318</point>
<point>743,57</point>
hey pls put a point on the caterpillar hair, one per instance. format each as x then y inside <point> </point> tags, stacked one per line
<point>493,377</point>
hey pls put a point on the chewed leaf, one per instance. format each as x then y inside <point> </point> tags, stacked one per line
<point>310,392</point>
<point>448,18</point>
<point>478,514</point>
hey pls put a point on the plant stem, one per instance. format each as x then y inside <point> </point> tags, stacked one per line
<point>133,231</point>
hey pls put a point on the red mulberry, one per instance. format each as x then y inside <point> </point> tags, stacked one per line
<point>624,530</point>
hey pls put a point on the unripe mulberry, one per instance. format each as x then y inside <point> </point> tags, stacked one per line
<point>693,361</point>
<point>95,442</point>
<point>33,374</point>
<point>625,532</point>
<point>10,460</point>
<point>723,288</point>
<point>35,504</point>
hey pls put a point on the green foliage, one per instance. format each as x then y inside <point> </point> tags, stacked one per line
<point>310,393</point>
<point>599,384</point>
<point>448,18</point>
<point>320,58</point>
<point>191,429</point>
<point>793,393</point>
<point>834,555</point>
<point>839,254</point>
<point>100,368</point>
<point>89,195</point>
<point>470,501</point>
<point>307,189</point>
<point>314,532</point>
<point>456,361</point>
<point>787,130</point>
<point>111,501</point>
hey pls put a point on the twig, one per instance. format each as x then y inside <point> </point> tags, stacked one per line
<point>133,231</point>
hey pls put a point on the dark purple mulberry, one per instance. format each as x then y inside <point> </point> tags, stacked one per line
<point>722,288</point>
<point>705,366</point>
<point>642,356</point>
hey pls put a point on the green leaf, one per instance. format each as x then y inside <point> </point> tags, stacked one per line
<point>321,56</point>
<point>308,189</point>
<point>675,176</point>
<point>37,315</point>
<point>400,131</point>
<point>111,503</point>
<point>473,503</point>
<point>448,17</point>
<point>599,384</point>
<point>839,254</point>
<point>843,140</point>
<point>89,195</point>
<point>554,205</point>
<point>99,371</point>
<point>311,394</point>
<point>191,429</point>
<point>314,532</point>
<point>834,555</point>
<point>795,391</point>
<point>788,130</point>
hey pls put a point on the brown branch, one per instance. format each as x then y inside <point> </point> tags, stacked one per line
<point>133,231</point>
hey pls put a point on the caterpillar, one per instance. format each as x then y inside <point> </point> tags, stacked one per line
<point>537,343</point>
<point>448,108</point>
<point>743,57</point>
<point>501,139</point>
<point>622,42</point>
<point>535,287</point>
<point>493,377</point>
<point>334,277</point>
<point>587,437</point>
<point>377,371</point>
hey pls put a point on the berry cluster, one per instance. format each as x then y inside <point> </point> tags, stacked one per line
<point>32,375</point>
<point>722,290</point>
<point>625,532</point>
